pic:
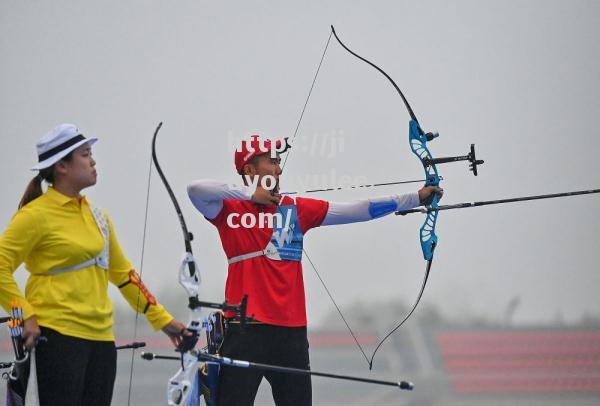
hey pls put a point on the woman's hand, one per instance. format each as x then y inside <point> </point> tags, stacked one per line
<point>31,332</point>
<point>176,330</point>
<point>427,193</point>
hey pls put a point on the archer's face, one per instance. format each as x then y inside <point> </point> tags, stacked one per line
<point>80,170</point>
<point>265,165</point>
<point>269,166</point>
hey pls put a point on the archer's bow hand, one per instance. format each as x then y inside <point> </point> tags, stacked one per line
<point>176,332</point>
<point>427,193</point>
<point>31,332</point>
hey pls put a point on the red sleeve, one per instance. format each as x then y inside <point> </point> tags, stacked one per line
<point>311,212</point>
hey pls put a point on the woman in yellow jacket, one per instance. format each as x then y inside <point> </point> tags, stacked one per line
<point>71,251</point>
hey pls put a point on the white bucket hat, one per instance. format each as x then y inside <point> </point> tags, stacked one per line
<point>57,143</point>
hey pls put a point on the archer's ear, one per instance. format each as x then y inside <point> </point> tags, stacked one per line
<point>248,169</point>
<point>60,168</point>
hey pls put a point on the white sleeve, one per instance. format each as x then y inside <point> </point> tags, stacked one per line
<point>207,195</point>
<point>369,209</point>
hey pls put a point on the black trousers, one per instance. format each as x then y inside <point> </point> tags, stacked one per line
<point>275,345</point>
<point>72,371</point>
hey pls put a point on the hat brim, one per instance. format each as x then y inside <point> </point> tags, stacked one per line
<point>55,158</point>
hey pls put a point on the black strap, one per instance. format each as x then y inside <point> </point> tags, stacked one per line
<point>61,147</point>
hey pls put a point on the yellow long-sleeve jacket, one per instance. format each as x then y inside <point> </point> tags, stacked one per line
<point>53,232</point>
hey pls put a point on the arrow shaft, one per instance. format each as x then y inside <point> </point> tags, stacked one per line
<point>368,185</point>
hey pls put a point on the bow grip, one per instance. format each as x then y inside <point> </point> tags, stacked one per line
<point>432,180</point>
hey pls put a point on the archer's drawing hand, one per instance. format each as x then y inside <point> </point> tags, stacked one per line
<point>266,197</point>
<point>176,332</point>
<point>31,332</point>
<point>427,193</point>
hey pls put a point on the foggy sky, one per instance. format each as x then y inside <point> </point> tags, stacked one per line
<point>520,79</point>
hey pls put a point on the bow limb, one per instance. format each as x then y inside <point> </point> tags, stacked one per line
<point>388,77</point>
<point>187,236</point>
<point>179,387</point>
<point>181,384</point>
<point>189,276</point>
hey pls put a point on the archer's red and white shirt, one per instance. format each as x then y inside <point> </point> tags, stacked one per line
<point>275,289</point>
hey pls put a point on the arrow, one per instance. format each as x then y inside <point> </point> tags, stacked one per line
<point>369,185</point>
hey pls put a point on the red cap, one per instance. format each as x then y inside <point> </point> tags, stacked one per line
<point>254,147</point>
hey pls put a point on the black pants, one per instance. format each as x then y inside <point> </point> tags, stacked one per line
<point>275,345</point>
<point>72,371</point>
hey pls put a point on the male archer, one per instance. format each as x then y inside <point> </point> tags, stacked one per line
<point>262,235</point>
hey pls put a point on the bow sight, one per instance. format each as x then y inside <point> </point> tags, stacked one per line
<point>189,342</point>
<point>473,161</point>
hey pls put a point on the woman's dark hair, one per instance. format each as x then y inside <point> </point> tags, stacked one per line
<point>34,188</point>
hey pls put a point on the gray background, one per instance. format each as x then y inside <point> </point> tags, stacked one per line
<point>518,78</point>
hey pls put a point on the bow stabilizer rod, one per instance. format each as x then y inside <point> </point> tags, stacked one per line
<point>132,346</point>
<point>403,385</point>
<point>239,309</point>
<point>427,210</point>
